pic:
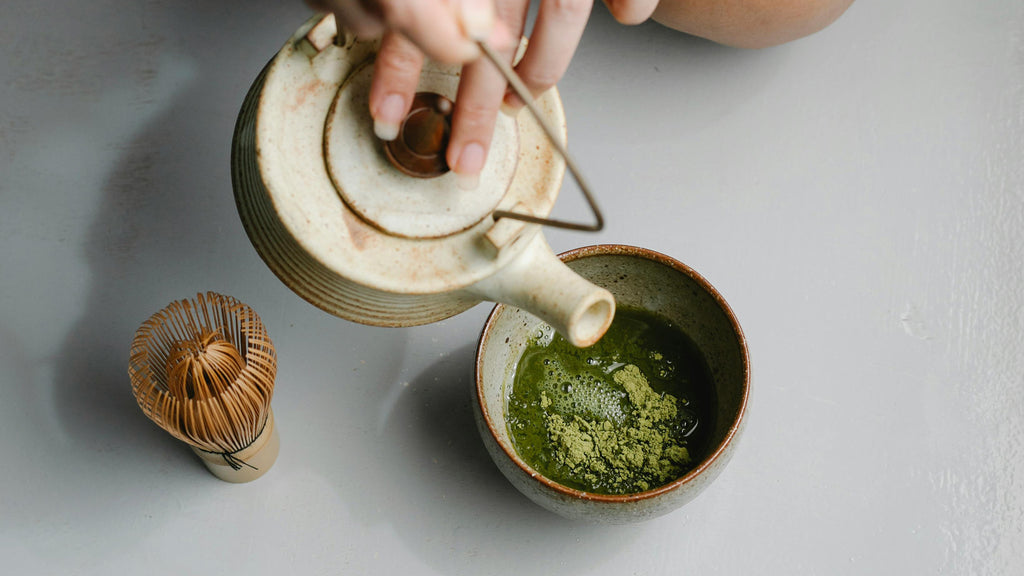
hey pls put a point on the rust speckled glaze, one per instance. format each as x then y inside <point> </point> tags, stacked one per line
<point>355,236</point>
<point>638,278</point>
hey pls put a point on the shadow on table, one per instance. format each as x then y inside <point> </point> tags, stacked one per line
<point>460,513</point>
<point>165,228</point>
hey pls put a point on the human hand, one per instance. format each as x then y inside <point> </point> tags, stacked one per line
<point>447,31</point>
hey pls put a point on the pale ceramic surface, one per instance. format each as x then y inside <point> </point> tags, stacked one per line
<point>855,196</point>
<point>389,249</point>
<point>638,278</point>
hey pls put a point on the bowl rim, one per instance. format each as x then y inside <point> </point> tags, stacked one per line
<point>708,461</point>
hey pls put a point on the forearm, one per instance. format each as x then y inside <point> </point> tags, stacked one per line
<point>749,23</point>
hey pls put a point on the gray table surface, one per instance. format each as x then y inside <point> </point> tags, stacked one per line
<point>856,196</point>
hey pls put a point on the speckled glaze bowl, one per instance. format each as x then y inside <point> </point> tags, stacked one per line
<point>641,278</point>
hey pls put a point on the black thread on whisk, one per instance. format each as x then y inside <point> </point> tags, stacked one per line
<point>233,461</point>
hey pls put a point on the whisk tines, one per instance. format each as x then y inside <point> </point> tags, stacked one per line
<point>204,370</point>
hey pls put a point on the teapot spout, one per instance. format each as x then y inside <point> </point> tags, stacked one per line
<point>538,282</point>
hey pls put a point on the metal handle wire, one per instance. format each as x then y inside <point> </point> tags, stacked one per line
<point>524,94</point>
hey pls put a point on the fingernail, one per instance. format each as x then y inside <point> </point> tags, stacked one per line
<point>468,166</point>
<point>511,105</point>
<point>477,18</point>
<point>389,117</point>
<point>509,110</point>
<point>467,181</point>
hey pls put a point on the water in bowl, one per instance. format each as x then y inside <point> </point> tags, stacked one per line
<point>628,414</point>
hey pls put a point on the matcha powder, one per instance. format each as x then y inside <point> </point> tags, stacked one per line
<point>640,454</point>
<point>628,414</point>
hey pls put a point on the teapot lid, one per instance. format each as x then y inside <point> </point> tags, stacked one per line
<point>387,196</point>
<point>334,190</point>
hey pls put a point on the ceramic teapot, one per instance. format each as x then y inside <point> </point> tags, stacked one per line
<point>354,234</point>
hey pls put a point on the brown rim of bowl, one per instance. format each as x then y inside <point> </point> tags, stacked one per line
<point>624,250</point>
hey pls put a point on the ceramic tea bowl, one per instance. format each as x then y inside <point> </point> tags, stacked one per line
<point>638,278</point>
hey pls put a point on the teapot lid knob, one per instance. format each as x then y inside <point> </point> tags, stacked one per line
<point>419,149</point>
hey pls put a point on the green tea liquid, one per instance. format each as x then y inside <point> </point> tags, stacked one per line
<point>628,414</point>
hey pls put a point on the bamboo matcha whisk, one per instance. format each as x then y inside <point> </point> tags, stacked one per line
<point>204,371</point>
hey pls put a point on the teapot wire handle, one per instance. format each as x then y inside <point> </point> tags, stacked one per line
<point>524,94</point>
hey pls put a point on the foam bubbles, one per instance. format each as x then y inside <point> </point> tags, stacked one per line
<point>583,394</point>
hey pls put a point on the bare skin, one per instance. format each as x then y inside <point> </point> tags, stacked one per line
<point>447,31</point>
<point>750,23</point>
